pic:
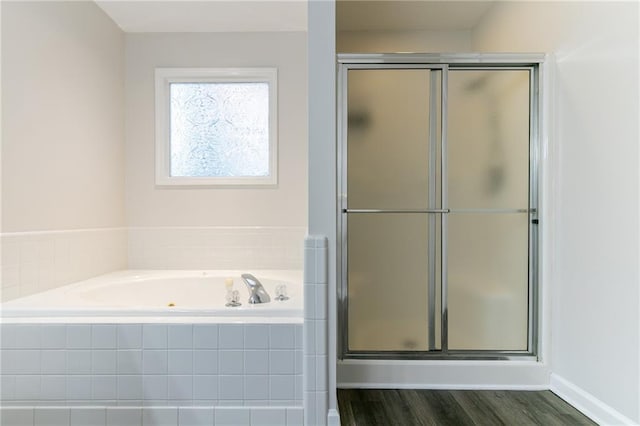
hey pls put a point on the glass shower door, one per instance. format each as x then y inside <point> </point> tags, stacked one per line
<point>438,209</point>
<point>392,161</point>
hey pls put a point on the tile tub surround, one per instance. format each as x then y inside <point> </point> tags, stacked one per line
<point>316,392</point>
<point>33,262</point>
<point>237,372</point>
<point>37,261</point>
<point>219,247</point>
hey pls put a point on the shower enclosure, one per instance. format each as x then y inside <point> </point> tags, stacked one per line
<point>438,205</point>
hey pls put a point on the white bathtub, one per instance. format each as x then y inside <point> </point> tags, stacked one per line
<point>162,294</point>
<point>113,341</point>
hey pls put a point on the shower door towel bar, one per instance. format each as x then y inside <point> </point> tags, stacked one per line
<point>438,211</point>
<point>396,211</point>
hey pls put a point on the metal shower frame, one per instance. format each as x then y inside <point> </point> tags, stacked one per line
<point>443,63</point>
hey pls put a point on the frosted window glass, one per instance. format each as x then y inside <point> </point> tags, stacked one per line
<point>219,129</point>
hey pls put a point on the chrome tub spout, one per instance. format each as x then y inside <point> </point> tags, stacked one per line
<point>257,293</point>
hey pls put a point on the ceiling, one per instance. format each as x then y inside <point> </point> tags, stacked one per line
<point>290,15</point>
<point>207,16</point>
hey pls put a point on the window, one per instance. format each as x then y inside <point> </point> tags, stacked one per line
<point>216,126</point>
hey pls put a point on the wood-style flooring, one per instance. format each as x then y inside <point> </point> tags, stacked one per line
<point>390,407</point>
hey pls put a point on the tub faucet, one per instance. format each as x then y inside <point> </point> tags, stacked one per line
<point>257,293</point>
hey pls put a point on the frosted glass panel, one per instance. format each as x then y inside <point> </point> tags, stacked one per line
<point>388,282</point>
<point>219,129</point>
<point>488,139</point>
<point>488,281</point>
<point>387,138</point>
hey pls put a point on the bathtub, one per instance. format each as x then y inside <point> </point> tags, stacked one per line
<point>112,347</point>
<point>167,293</point>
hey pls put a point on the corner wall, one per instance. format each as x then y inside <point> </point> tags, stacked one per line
<point>62,145</point>
<point>593,193</point>
<point>322,204</point>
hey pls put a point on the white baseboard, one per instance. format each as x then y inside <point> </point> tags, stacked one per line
<point>588,404</point>
<point>333,418</point>
<point>450,386</point>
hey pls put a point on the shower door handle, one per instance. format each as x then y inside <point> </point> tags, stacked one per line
<point>443,211</point>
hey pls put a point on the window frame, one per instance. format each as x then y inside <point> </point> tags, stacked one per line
<point>164,77</point>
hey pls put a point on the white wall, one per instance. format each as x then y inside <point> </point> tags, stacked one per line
<point>148,205</point>
<point>592,199</point>
<point>62,122</point>
<point>62,145</point>
<point>222,228</point>
<point>403,41</point>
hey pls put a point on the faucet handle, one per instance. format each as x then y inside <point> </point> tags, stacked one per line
<point>233,298</point>
<point>281,293</point>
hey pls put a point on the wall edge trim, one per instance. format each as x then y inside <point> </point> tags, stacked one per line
<point>586,403</point>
